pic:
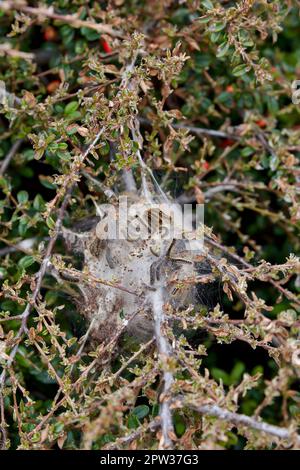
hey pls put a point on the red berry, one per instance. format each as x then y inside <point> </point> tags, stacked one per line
<point>50,33</point>
<point>261,123</point>
<point>105,46</point>
<point>229,89</point>
<point>205,166</point>
<point>52,86</point>
<point>226,143</point>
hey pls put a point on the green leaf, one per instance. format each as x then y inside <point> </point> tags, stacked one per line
<point>3,273</point>
<point>51,297</point>
<point>133,421</point>
<point>80,46</point>
<point>247,151</point>
<point>179,424</point>
<point>62,145</point>
<point>50,223</point>
<point>22,197</point>
<point>71,107</point>
<point>89,34</point>
<point>237,372</point>
<point>240,70</point>
<point>207,4</point>
<point>104,149</point>
<point>65,156</point>
<point>38,203</point>
<point>216,37</point>
<point>74,116</point>
<point>23,226</point>
<point>58,428</point>
<point>28,155</point>
<point>155,409</point>
<point>36,437</point>
<point>67,34</point>
<point>220,374</point>
<point>222,49</point>
<point>26,261</point>
<point>42,376</point>
<point>141,411</point>
<point>46,183</point>
<point>217,26</point>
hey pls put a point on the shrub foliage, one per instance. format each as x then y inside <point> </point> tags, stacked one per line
<point>199,94</point>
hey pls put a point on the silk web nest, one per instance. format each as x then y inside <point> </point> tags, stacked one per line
<point>123,274</point>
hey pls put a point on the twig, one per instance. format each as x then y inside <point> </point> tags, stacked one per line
<point>104,189</point>
<point>6,49</point>
<point>129,181</point>
<point>72,274</point>
<point>202,131</point>
<point>39,278</point>
<point>25,246</point>
<point>5,163</point>
<point>218,189</point>
<point>289,295</point>
<point>199,131</point>
<point>208,194</point>
<point>244,420</point>
<point>13,317</point>
<point>164,351</point>
<point>143,348</point>
<point>6,96</point>
<point>152,426</point>
<point>3,435</point>
<point>42,13</point>
<point>266,144</point>
<point>75,170</point>
<point>84,341</point>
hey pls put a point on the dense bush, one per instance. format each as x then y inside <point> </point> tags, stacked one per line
<point>196,95</point>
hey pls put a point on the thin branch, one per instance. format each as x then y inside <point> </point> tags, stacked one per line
<point>129,181</point>
<point>109,193</point>
<point>244,420</point>
<point>25,246</point>
<point>43,13</point>
<point>12,152</point>
<point>3,435</point>
<point>289,295</point>
<point>7,97</point>
<point>199,131</point>
<point>39,278</point>
<point>72,274</point>
<point>143,348</point>
<point>164,351</point>
<point>152,426</point>
<point>6,49</point>
<point>209,194</point>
